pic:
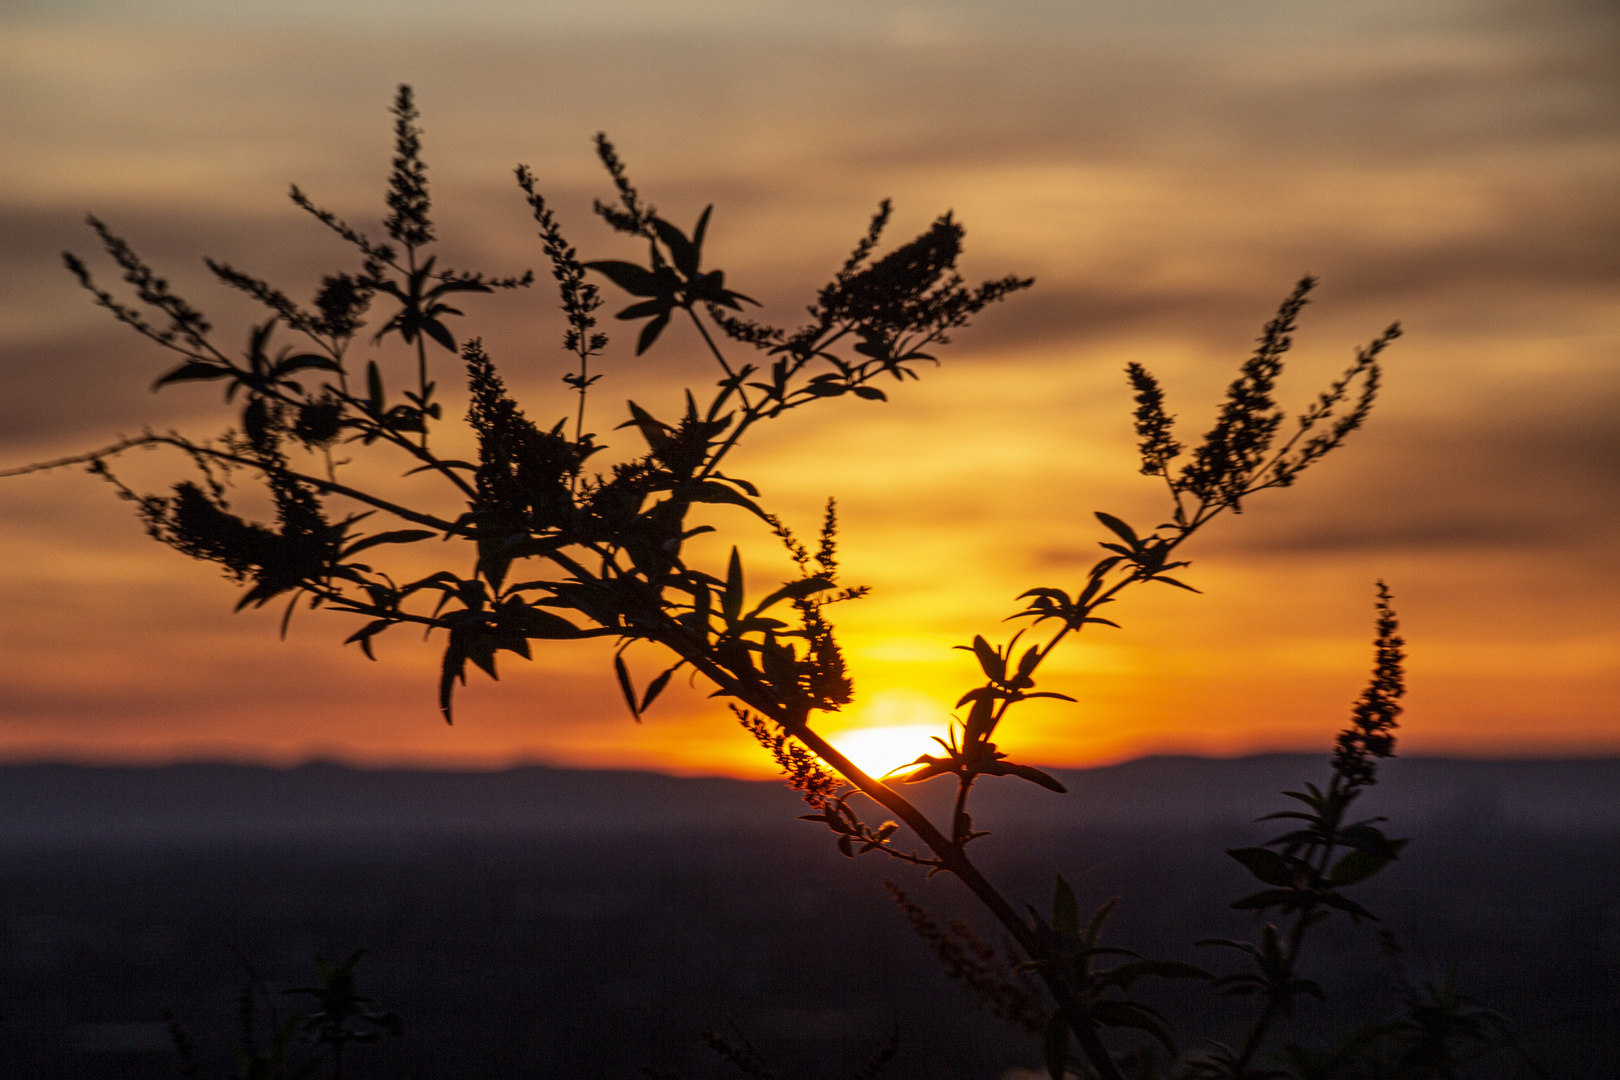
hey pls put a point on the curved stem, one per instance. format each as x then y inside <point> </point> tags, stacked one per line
<point>963,787</point>
<point>749,413</point>
<point>426,456</point>
<point>1262,1024</point>
<point>713,464</point>
<point>955,861</point>
<point>329,487</point>
<point>584,381</point>
<point>1102,598</point>
<point>421,384</point>
<point>715,349</point>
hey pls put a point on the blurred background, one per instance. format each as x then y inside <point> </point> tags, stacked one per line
<point>537,922</point>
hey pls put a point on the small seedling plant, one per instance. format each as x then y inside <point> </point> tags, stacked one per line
<point>339,1018</point>
<point>540,545</point>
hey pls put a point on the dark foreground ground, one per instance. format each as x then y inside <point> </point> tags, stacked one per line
<point>540,923</point>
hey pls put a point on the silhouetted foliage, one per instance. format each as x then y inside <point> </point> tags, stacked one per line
<point>340,1017</point>
<point>607,554</point>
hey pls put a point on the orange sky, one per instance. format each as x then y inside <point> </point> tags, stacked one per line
<point>1165,170</point>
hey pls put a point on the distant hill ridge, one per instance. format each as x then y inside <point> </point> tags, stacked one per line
<point>52,805</point>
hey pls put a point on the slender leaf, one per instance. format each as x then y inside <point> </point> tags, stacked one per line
<point>656,687</point>
<point>1355,866</point>
<point>626,687</point>
<point>1065,911</point>
<point>1095,924</point>
<point>731,601</point>
<point>1119,528</point>
<point>650,332</point>
<point>793,590</point>
<point>700,230</point>
<point>366,633</point>
<point>682,252</point>
<point>396,536</point>
<point>1129,1014</point>
<point>1267,865</point>
<point>711,491</point>
<point>192,371</point>
<point>1034,776</point>
<point>628,276</point>
<point>992,662</point>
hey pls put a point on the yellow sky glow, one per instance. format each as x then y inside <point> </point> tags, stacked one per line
<point>1166,170</point>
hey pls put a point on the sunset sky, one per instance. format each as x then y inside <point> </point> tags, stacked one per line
<point>1165,170</point>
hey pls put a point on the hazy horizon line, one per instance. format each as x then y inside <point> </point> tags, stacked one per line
<point>361,765</point>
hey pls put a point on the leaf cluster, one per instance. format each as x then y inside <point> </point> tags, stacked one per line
<point>341,1017</point>
<point>968,749</point>
<point>1070,952</point>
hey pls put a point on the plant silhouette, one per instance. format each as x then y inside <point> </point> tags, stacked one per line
<point>546,548</point>
<point>341,1017</point>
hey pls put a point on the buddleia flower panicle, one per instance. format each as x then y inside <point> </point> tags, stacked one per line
<point>580,299</point>
<point>913,289</point>
<point>265,293</point>
<point>319,421</point>
<point>748,331</point>
<point>744,1058</point>
<point>804,770</point>
<point>1374,716</point>
<point>889,291</point>
<point>408,202</point>
<point>342,302</point>
<point>1236,446</point>
<point>868,243</point>
<point>970,961</point>
<point>185,323</point>
<point>1366,368</point>
<point>827,550</point>
<point>524,473</point>
<point>635,218</point>
<point>1153,426</point>
<point>823,669</point>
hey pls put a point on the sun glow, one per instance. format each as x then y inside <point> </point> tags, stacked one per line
<point>879,750</point>
<point>891,728</point>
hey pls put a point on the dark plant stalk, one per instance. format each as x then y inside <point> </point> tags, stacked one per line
<point>719,356</point>
<point>421,382</point>
<point>1255,1038</point>
<point>584,385</point>
<point>327,487</point>
<point>955,861</point>
<point>949,854</point>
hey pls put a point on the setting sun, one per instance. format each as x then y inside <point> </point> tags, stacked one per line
<point>880,750</point>
<point>891,728</point>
